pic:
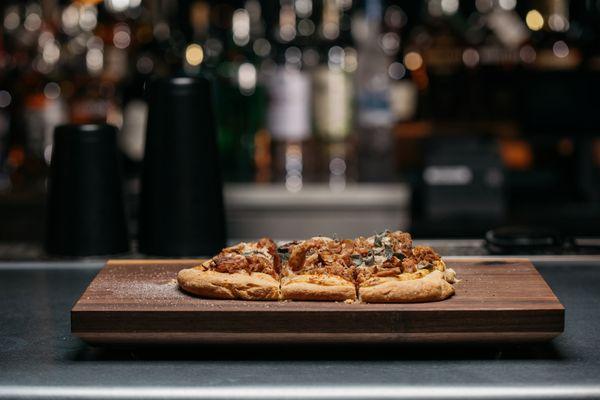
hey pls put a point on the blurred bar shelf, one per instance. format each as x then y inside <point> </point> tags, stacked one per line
<point>255,210</point>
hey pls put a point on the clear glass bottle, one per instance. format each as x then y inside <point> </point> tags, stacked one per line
<point>288,116</point>
<point>334,93</point>
<point>374,114</point>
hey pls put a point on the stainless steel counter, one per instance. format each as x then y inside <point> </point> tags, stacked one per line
<point>40,359</point>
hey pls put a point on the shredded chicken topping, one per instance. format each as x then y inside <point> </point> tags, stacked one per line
<point>319,256</point>
<point>249,257</point>
<point>382,255</point>
<point>389,254</point>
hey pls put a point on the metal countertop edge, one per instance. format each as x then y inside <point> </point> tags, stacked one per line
<point>546,260</point>
<point>304,392</point>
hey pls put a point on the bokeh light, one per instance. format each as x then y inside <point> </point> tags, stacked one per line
<point>413,61</point>
<point>194,55</point>
<point>534,20</point>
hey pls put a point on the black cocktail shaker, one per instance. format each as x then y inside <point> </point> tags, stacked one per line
<point>85,209</point>
<point>181,206</point>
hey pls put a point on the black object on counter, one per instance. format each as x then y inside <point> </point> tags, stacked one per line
<point>181,208</point>
<point>462,185</point>
<point>525,240</point>
<point>85,209</point>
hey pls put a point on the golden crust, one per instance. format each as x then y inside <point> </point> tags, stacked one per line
<point>221,285</point>
<point>317,287</point>
<point>431,287</point>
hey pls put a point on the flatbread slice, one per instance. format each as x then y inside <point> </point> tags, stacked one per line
<point>431,287</point>
<point>247,271</point>
<point>390,270</point>
<point>318,269</point>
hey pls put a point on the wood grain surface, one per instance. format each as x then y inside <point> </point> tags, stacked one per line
<point>138,301</point>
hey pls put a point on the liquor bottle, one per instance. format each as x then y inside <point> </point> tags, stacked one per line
<point>131,138</point>
<point>288,114</point>
<point>5,100</point>
<point>374,115</point>
<point>240,93</point>
<point>5,117</point>
<point>333,93</point>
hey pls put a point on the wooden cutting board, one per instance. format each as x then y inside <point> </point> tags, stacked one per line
<point>138,301</point>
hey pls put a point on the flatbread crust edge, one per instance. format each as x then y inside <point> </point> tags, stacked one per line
<point>432,287</point>
<point>220,285</point>
<point>317,287</point>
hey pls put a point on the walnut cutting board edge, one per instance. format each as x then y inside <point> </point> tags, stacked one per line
<point>138,301</point>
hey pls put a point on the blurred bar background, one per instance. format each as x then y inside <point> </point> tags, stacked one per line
<point>446,118</point>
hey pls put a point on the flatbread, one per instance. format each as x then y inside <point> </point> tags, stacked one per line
<point>383,268</point>
<point>431,287</point>
<point>222,285</point>
<point>391,270</point>
<point>246,271</point>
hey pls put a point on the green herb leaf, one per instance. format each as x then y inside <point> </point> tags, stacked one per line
<point>388,253</point>
<point>377,240</point>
